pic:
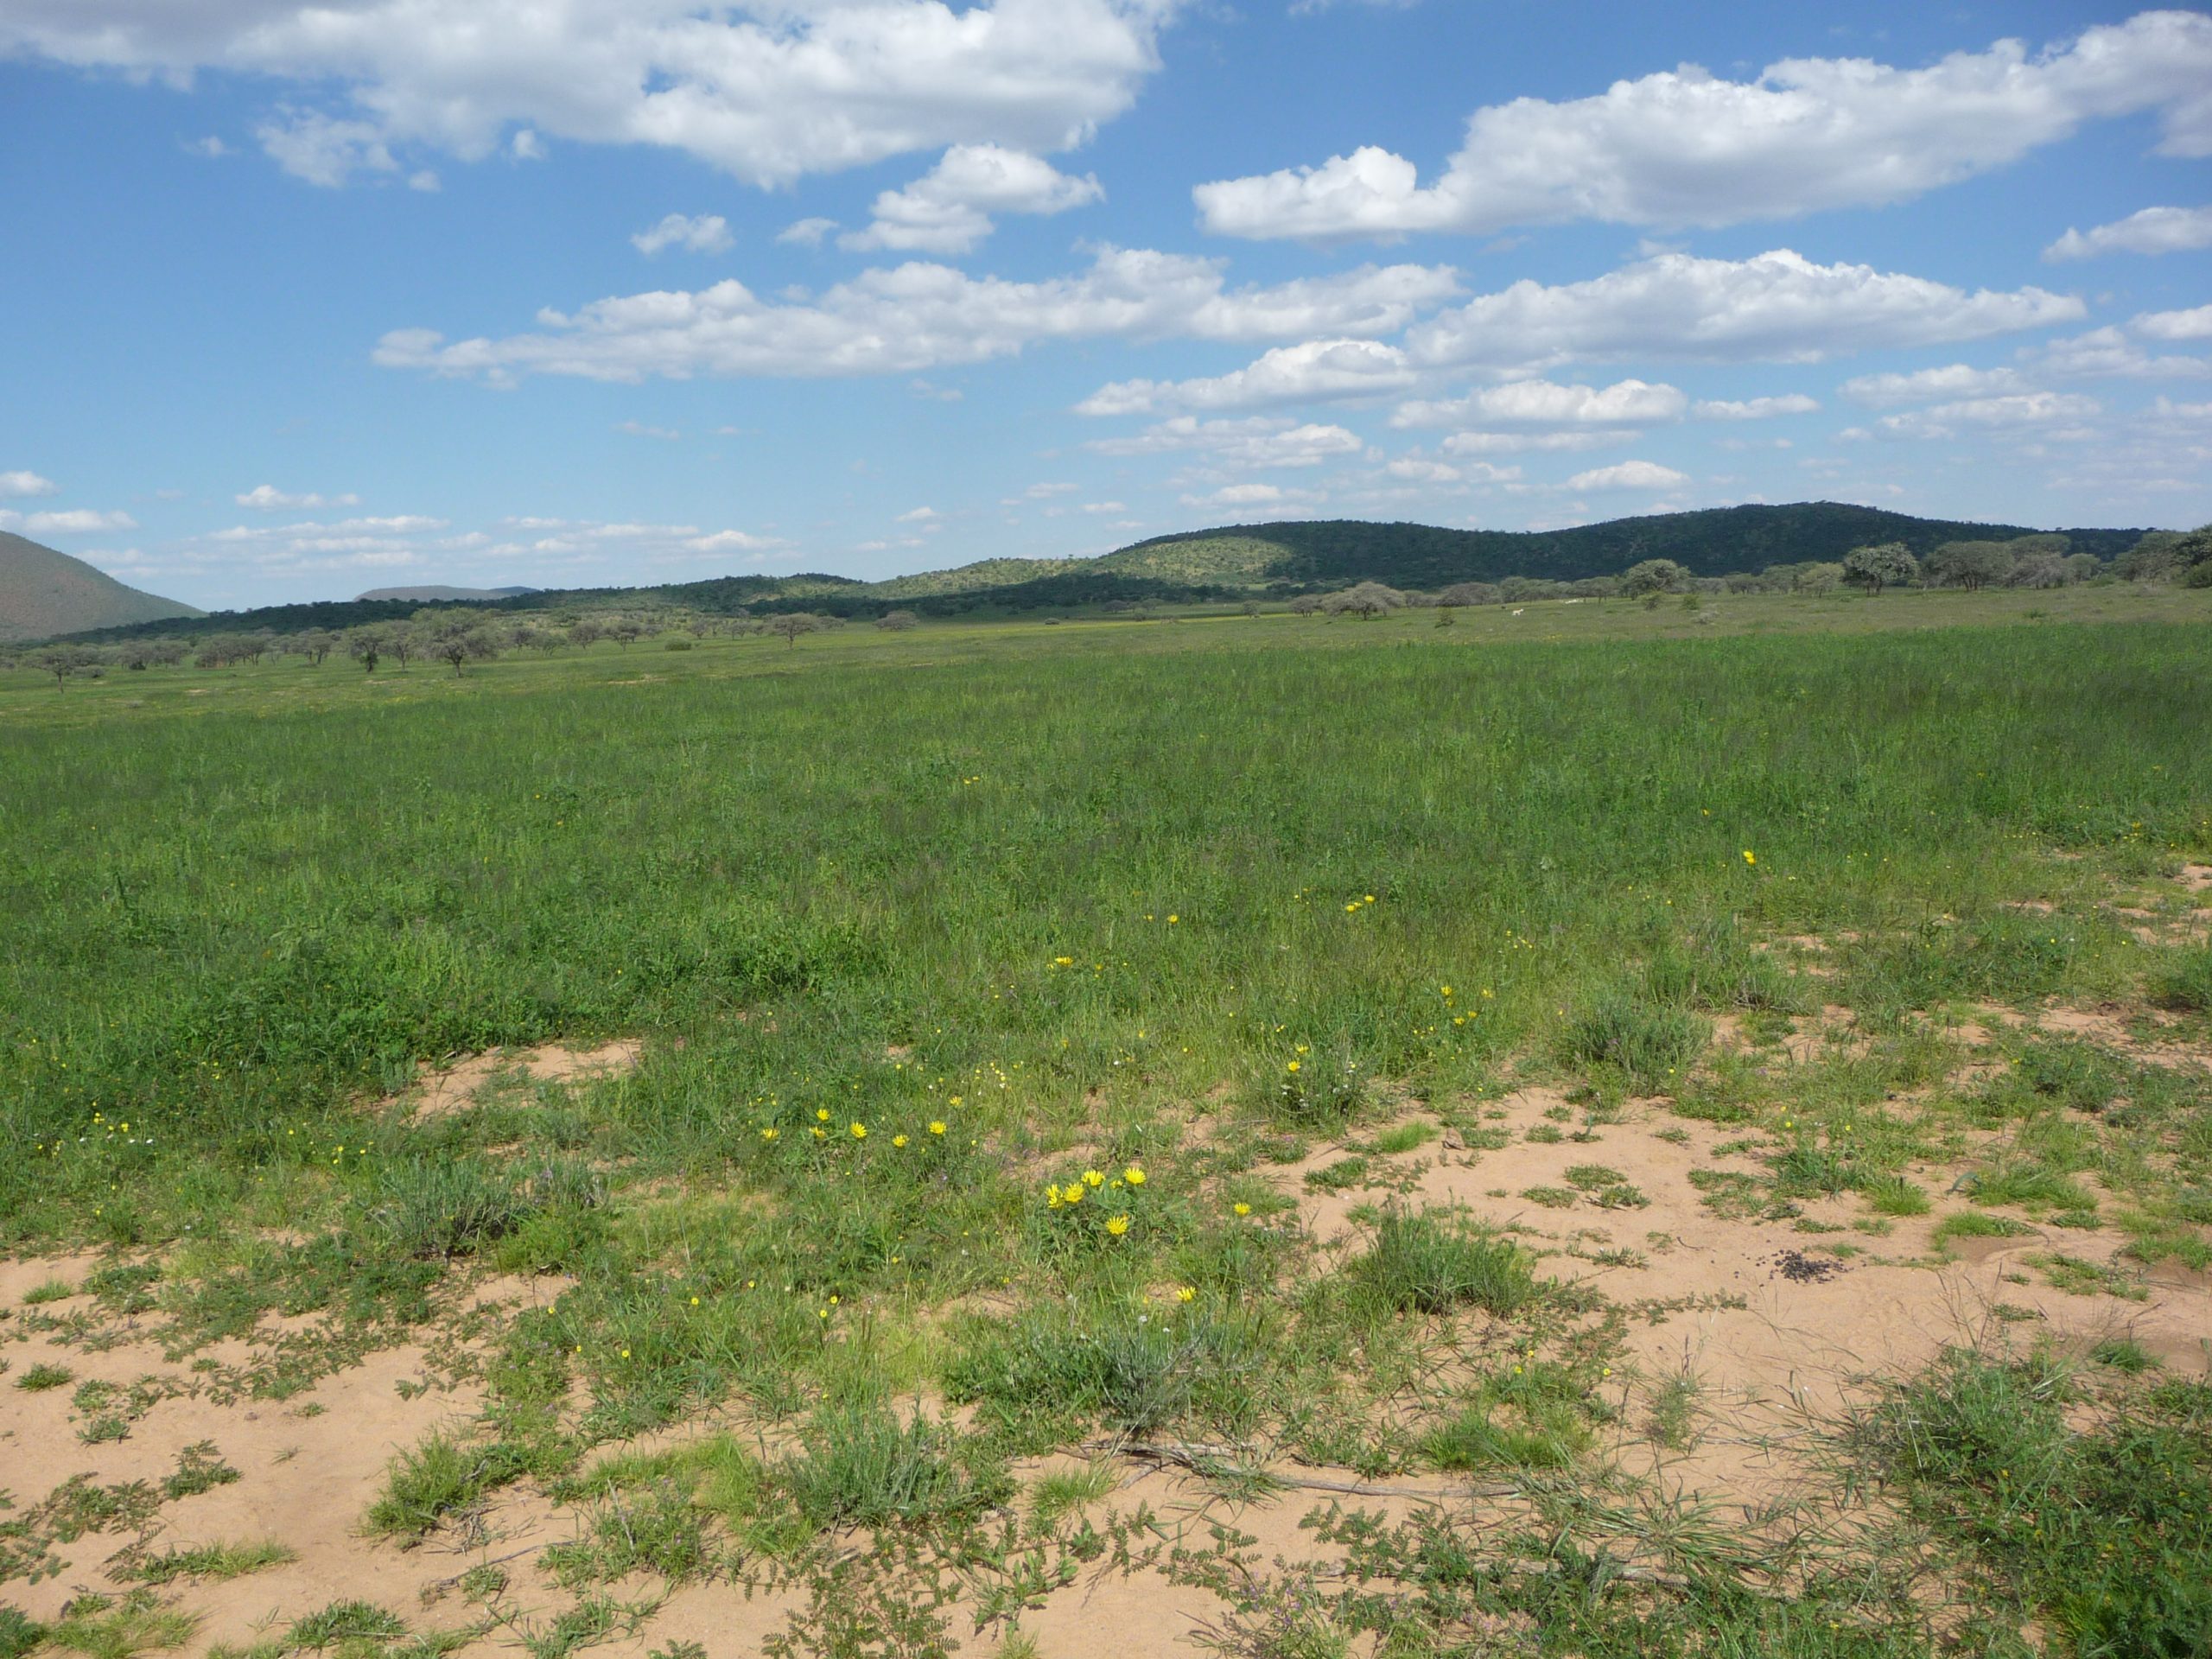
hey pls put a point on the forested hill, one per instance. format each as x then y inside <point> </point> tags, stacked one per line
<point>1272,561</point>
<point>1715,542</point>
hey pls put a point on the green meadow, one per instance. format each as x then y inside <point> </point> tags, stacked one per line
<point>921,933</point>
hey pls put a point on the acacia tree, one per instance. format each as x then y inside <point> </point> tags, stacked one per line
<point>1366,601</point>
<point>62,661</point>
<point>464,645</point>
<point>1653,576</point>
<point>791,623</point>
<point>896,621</point>
<point>1875,568</point>
<point>364,647</point>
<point>1970,565</point>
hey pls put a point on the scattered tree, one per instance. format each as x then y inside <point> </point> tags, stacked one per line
<point>791,623</point>
<point>1970,565</point>
<point>1875,568</point>
<point>461,647</point>
<point>1305,605</point>
<point>62,662</point>
<point>364,647</point>
<point>1653,576</point>
<point>1366,602</point>
<point>897,621</point>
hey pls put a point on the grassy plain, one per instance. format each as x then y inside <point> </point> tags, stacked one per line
<point>1421,999</point>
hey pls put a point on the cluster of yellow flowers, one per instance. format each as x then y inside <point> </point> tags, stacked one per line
<point>1069,1194</point>
<point>1364,898</point>
<point>857,1131</point>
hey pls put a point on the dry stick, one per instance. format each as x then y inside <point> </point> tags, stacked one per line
<point>1194,1457</point>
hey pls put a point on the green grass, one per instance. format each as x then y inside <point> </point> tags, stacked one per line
<point>2104,1532</point>
<point>1430,1263</point>
<point>440,1480</point>
<point>1976,1224</point>
<point>45,1375</point>
<point>215,1562</point>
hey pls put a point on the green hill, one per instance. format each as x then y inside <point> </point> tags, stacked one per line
<point>1711,542</point>
<point>44,592</point>
<point>1233,562</point>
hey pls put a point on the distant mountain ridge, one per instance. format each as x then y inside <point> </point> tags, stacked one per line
<point>437,591</point>
<point>1255,561</point>
<point>43,592</point>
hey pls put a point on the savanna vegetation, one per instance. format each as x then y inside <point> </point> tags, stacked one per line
<point>1289,1051</point>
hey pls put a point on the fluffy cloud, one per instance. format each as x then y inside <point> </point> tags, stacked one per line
<point>2175,325</point>
<point>75,521</point>
<point>1952,381</point>
<point>1544,403</point>
<point>767,90</point>
<point>2011,410</point>
<point>1314,371</point>
<point>1519,443</point>
<point>2155,230</point>
<point>267,498</point>
<point>26,483</point>
<point>1754,409</point>
<point>1688,148</point>
<point>733,541</point>
<point>1254,443</point>
<point>920,315</point>
<point>1777,307</point>
<point>708,233</point>
<point>948,209</point>
<point>1629,475</point>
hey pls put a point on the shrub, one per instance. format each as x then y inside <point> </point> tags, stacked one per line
<point>1419,1262</point>
<point>445,1207</point>
<point>1652,1047</point>
<point>867,1469</point>
<point>436,1481</point>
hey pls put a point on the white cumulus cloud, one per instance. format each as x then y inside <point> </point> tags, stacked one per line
<point>1313,371</point>
<point>2154,230</point>
<point>1753,409</point>
<point>1687,147</point>
<point>767,90</point>
<point>1775,307</point>
<point>73,521</point>
<point>1629,475</point>
<point>1255,442</point>
<point>2175,325</point>
<point>920,315</point>
<point>267,498</point>
<point>707,233</point>
<point>1545,402</point>
<point>26,483</point>
<point>948,209</point>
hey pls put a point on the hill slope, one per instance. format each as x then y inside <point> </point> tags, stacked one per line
<point>1240,560</point>
<point>43,592</point>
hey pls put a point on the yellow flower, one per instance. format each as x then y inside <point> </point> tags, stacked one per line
<point>1351,907</point>
<point>936,1127</point>
<point>1064,962</point>
<point>1184,1294</point>
<point>821,1134</point>
<point>1092,1178</point>
<point>1244,1209</point>
<point>1748,856</point>
<point>1367,898</point>
<point>1171,920</point>
<point>822,1114</point>
<point>694,1301</point>
<point>1134,1175</point>
<point>1072,1193</point>
<point>860,1131</point>
<point>897,1140</point>
<point>1117,1225</point>
<point>1293,1066</point>
<point>767,1135</point>
<point>625,1353</point>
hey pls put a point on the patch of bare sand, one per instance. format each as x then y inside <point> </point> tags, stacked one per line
<point>308,1470</point>
<point>1775,1351</point>
<point>440,1090</point>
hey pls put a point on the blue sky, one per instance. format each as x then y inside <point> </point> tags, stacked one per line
<point>307,300</point>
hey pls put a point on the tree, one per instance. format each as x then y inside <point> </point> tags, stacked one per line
<point>1875,568</point>
<point>1366,602</point>
<point>1817,577</point>
<point>1305,605</point>
<point>403,643</point>
<point>2040,571</point>
<point>314,644</point>
<point>463,646</point>
<point>2083,567</point>
<point>1653,576</point>
<point>791,623</point>
<point>62,661</point>
<point>586,633</point>
<point>1469,592</point>
<point>1970,565</point>
<point>897,621</point>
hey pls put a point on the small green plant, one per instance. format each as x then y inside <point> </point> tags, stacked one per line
<point>216,1561</point>
<point>1674,1411</point>
<point>1059,1493</point>
<point>19,1632</point>
<point>44,1375</point>
<point>440,1480</point>
<point>1426,1262</point>
<point>53,1290</point>
<point>864,1467</point>
<point>1893,1195</point>
<point>1552,1198</point>
<point>1652,1048</point>
<point>1403,1137</point>
<point>344,1621</point>
<point>1976,1224</point>
<point>2124,1354</point>
<point>104,1627</point>
<point>199,1468</point>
